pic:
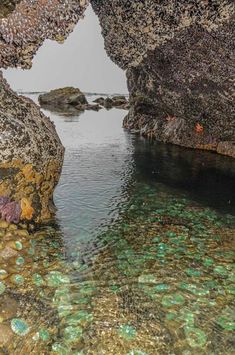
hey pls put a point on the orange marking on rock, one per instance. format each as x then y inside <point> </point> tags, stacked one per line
<point>199,128</point>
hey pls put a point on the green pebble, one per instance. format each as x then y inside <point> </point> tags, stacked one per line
<point>2,288</point>
<point>162,246</point>
<point>72,334</point>
<point>18,245</point>
<point>187,317</point>
<point>38,280</point>
<point>114,288</point>
<point>60,349</point>
<point>161,287</point>
<point>18,279</point>
<point>64,310</point>
<point>136,352</point>
<point>19,326</point>
<point>127,332</point>
<point>196,337</point>
<point>171,234</point>
<point>31,251</point>
<point>172,300</point>
<point>193,272</point>
<point>221,270</point>
<point>56,278</point>
<point>79,317</point>
<point>226,323</point>
<point>208,262</point>
<point>147,279</point>
<point>44,334</point>
<point>20,261</point>
<point>171,316</point>
<point>230,289</point>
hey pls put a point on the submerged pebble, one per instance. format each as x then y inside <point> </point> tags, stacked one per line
<point>19,327</point>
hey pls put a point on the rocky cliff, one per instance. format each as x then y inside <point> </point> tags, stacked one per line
<point>179,57</point>
<point>31,154</point>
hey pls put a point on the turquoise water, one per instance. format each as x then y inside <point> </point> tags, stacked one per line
<point>140,258</point>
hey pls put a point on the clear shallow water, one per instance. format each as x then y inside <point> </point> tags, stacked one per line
<point>140,259</point>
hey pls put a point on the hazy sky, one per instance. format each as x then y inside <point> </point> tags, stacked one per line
<point>81,62</point>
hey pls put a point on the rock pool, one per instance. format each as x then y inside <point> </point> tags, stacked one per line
<point>140,259</point>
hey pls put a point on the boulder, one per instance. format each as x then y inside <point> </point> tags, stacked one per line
<point>62,97</point>
<point>100,101</point>
<point>179,60</point>
<point>108,103</point>
<point>31,158</point>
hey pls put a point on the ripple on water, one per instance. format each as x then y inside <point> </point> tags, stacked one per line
<point>130,266</point>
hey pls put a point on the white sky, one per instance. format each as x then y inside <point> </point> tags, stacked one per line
<point>80,62</point>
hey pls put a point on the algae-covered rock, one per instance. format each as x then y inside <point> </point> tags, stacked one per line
<point>31,157</point>
<point>62,97</point>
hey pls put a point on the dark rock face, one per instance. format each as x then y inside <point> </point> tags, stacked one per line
<point>113,102</point>
<point>179,58</point>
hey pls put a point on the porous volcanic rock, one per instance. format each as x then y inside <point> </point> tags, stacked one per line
<point>179,59</point>
<point>31,155</point>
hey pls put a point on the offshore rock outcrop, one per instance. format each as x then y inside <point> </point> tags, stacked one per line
<point>31,154</point>
<point>179,59</point>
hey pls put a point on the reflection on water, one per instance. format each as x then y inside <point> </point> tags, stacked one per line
<point>140,259</point>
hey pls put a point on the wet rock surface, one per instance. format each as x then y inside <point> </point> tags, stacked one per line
<point>63,96</point>
<point>66,100</point>
<point>113,102</point>
<point>31,157</point>
<point>178,57</point>
<point>31,154</point>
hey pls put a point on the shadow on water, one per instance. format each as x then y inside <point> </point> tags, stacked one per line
<point>206,177</point>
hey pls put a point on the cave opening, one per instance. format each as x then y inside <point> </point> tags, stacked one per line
<point>81,61</point>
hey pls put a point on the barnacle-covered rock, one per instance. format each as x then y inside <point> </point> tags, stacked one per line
<point>31,157</point>
<point>31,154</point>
<point>23,31</point>
<point>179,59</point>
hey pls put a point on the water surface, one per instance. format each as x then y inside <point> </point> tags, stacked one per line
<point>140,258</point>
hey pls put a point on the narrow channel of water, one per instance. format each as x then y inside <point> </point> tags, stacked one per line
<point>140,259</point>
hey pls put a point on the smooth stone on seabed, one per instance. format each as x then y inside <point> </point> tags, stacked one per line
<point>173,300</point>
<point>19,326</point>
<point>127,332</point>
<point>72,334</point>
<point>195,337</point>
<point>56,278</point>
